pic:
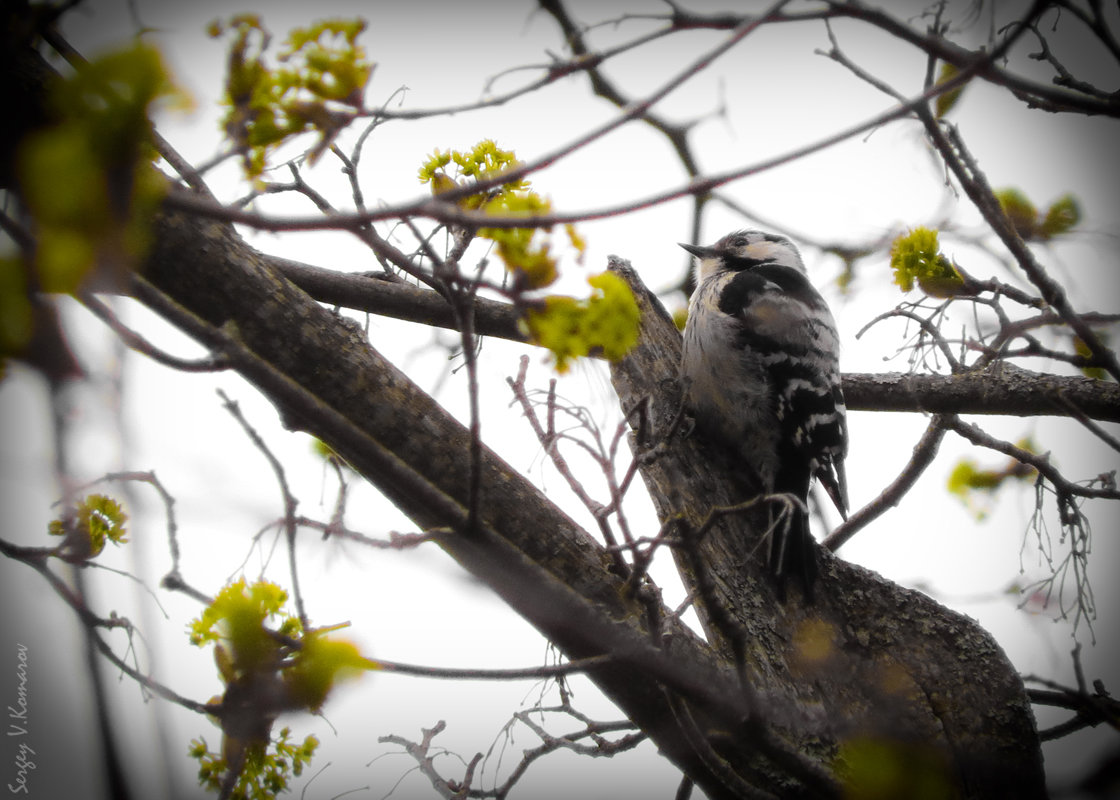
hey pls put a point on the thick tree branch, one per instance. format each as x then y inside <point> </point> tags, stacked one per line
<point>393,298</point>
<point>1000,389</point>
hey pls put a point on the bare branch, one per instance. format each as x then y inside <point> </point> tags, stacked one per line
<point>1034,94</point>
<point>550,440</point>
<point>977,436</point>
<point>425,759</point>
<point>290,501</point>
<point>491,674</point>
<point>1089,424</point>
<point>1000,389</point>
<point>141,345</point>
<point>37,559</point>
<point>1004,390</point>
<point>1090,708</point>
<point>928,330</point>
<point>677,135</point>
<point>1075,533</point>
<point>924,453</point>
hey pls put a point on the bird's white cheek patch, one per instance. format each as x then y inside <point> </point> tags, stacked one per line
<point>706,267</point>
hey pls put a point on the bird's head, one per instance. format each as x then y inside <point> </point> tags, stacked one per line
<point>742,250</point>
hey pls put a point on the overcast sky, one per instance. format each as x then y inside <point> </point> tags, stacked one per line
<point>775,95</point>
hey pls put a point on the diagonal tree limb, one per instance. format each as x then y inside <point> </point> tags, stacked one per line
<point>325,378</point>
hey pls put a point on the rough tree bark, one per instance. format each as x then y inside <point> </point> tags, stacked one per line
<point>867,658</point>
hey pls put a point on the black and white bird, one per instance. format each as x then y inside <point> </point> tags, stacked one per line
<point>761,372</point>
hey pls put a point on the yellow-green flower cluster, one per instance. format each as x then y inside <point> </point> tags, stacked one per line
<point>266,772</point>
<point>324,69</point>
<point>292,668</point>
<point>99,519</point>
<point>88,180</point>
<point>246,649</point>
<point>916,257</point>
<point>526,252</point>
<point>606,323</point>
<point>483,161</point>
<point>237,616</point>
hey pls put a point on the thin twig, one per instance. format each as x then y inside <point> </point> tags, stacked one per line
<point>1090,708</point>
<point>141,345</point>
<point>928,328</point>
<point>1089,424</point>
<point>924,453</point>
<point>37,559</point>
<point>549,441</point>
<point>290,501</point>
<point>490,674</point>
<point>1041,463</point>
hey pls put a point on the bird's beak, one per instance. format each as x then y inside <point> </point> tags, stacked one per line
<point>698,251</point>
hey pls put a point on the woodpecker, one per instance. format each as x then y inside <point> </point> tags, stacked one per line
<point>760,367</point>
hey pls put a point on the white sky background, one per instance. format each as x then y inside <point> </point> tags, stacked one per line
<point>417,606</point>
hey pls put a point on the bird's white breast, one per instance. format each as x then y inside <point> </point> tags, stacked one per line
<point>724,402</point>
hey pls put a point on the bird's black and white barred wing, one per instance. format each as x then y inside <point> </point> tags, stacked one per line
<point>787,326</point>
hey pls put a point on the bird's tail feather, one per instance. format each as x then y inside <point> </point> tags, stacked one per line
<point>793,551</point>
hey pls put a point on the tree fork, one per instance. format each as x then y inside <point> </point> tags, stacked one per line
<point>868,659</point>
